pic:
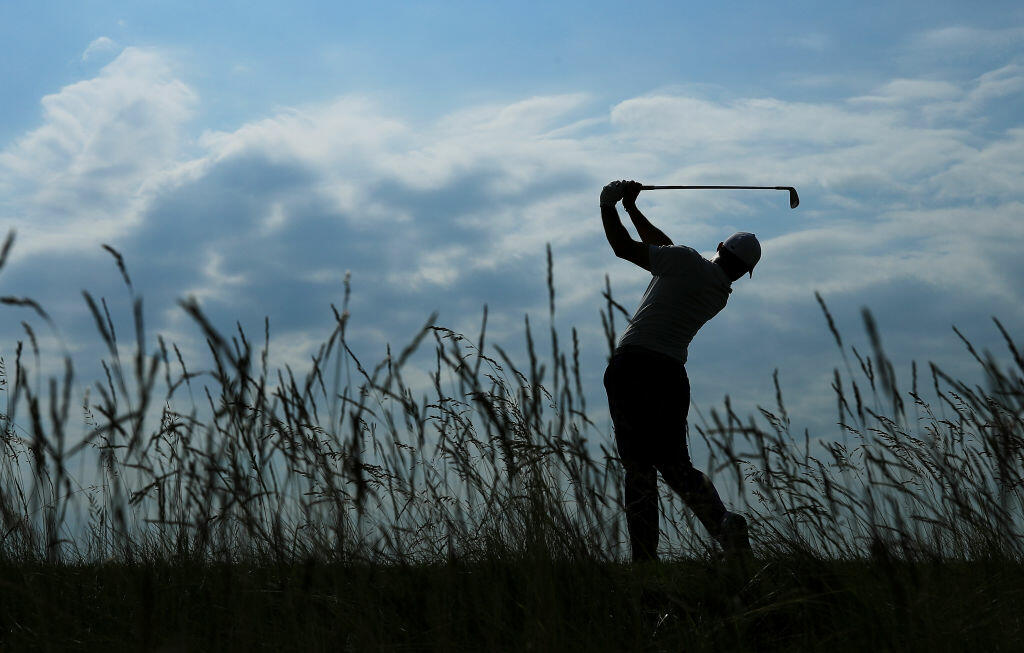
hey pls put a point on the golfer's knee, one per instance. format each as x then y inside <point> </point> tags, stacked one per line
<point>640,479</point>
<point>683,477</point>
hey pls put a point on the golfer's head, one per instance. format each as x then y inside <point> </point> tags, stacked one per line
<point>739,253</point>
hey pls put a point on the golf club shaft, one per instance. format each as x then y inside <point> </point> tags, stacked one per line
<point>794,199</point>
<point>727,187</point>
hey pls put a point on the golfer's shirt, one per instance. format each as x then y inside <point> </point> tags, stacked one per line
<point>687,290</point>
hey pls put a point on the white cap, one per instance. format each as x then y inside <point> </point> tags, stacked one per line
<point>744,246</point>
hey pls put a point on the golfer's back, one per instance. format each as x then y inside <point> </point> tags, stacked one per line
<point>687,290</point>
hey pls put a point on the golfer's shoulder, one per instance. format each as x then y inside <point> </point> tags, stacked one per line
<point>675,250</point>
<point>674,259</point>
<point>681,253</point>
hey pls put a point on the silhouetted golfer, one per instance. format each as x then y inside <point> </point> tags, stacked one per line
<point>648,391</point>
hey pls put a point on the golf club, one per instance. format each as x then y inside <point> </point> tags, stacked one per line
<point>794,199</point>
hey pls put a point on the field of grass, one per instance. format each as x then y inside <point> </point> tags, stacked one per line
<point>516,603</point>
<point>241,507</point>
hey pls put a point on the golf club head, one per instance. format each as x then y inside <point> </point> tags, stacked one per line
<point>794,199</point>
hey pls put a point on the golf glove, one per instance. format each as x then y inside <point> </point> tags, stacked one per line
<point>611,193</point>
<point>630,189</point>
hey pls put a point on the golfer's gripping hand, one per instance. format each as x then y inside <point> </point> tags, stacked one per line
<point>620,190</point>
<point>630,189</point>
<point>611,193</point>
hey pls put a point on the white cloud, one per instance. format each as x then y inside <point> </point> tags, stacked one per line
<point>997,84</point>
<point>677,122</point>
<point>217,284</point>
<point>962,39</point>
<point>991,173</point>
<point>111,144</point>
<point>453,213</point>
<point>903,91</point>
<point>324,135</point>
<point>82,174</point>
<point>103,44</point>
<point>957,250</point>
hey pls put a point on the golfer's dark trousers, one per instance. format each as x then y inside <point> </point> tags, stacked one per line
<point>649,399</point>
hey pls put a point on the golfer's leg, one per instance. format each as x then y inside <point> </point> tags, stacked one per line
<point>697,491</point>
<point>692,485</point>
<point>626,398</point>
<point>642,510</point>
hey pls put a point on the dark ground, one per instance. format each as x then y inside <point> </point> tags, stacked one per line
<point>525,605</point>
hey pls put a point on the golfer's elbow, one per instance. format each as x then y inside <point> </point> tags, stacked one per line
<point>634,252</point>
<point>622,248</point>
<point>619,239</point>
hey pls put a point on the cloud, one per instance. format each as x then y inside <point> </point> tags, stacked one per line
<point>960,250</point>
<point>986,175</point>
<point>905,91</point>
<point>99,46</point>
<point>910,204</point>
<point>83,173</point>
<point>997,84</point>
<point>960,39</point>
<point>961,51</point>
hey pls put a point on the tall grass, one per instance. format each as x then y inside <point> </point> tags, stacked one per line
<point>498,467</point>
<point>342,462</point>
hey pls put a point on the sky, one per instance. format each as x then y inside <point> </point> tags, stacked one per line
<point>254,154</point>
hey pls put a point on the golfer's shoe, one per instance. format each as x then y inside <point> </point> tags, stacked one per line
<point>732,534</point>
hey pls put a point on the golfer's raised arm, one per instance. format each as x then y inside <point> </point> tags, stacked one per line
<point>618,237</point>
<point>649,234</point>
